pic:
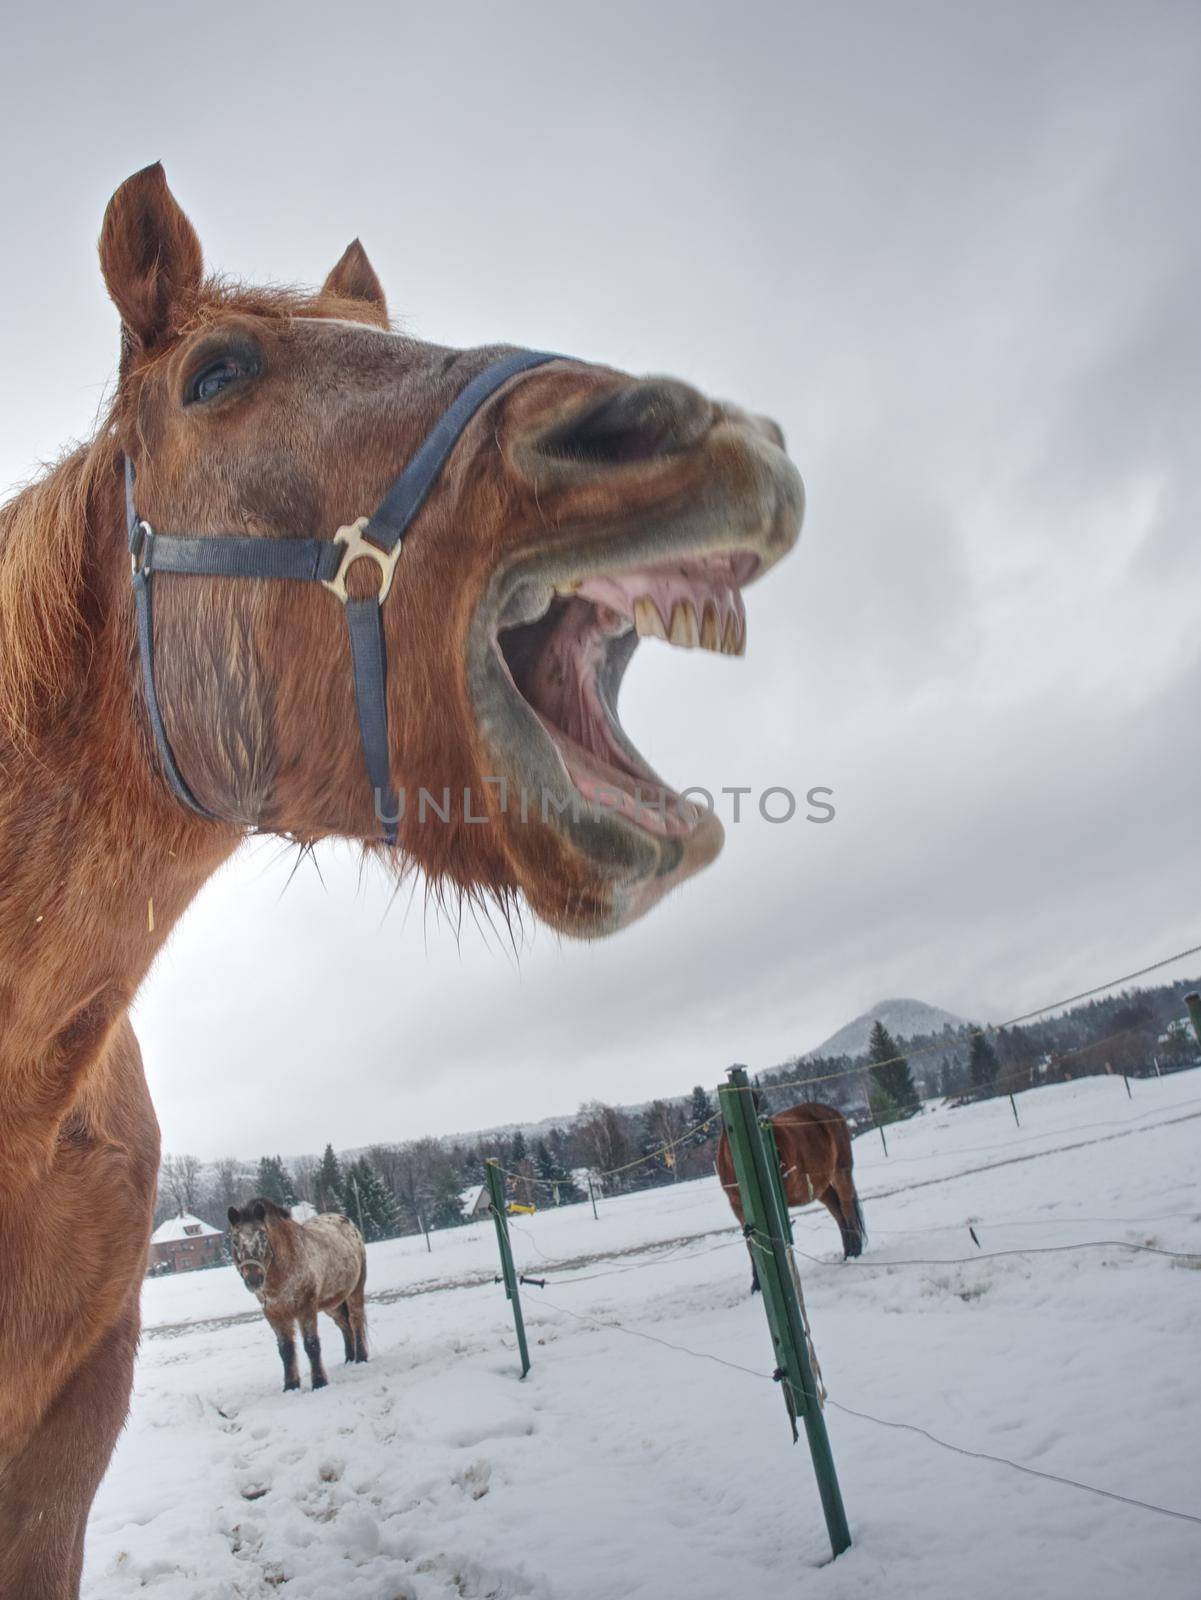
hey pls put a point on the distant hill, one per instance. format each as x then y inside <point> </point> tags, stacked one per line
<point>902,1018</point>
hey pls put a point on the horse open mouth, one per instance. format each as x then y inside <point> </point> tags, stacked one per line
<point>566,649</point>
<point>664,508</point>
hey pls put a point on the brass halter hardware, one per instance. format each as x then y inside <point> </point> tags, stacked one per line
<point>355,546</point>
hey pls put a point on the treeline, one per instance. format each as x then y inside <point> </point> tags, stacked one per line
<point>1133,1032</point>
<point>393,1189</point>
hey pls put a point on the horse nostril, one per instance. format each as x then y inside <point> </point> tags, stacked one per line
<point>635,423</point>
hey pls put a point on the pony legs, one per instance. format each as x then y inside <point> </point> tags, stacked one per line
<point>285,1339</point>
<point>312,1349</point>
<point>341,1315</point>
<point>358,1314</point>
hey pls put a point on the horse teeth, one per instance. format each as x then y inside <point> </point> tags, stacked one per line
<point>710,631</point>
<point>684,630</point>
<point>733,641</point>
<point>647,620</point>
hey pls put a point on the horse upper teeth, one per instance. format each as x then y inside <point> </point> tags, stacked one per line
<point>647,620</point>
<point>733,642</point>
<point>684,630</point>
<point>710,632</point>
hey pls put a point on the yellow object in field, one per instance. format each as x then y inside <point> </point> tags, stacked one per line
<point>516,1209</point>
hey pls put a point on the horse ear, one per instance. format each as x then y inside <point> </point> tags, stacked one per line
<point>234,1216</point>
<point>353,278</point>
<point>150,257</point>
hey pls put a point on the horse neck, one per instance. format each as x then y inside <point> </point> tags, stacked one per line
<point>97,861</point>
<point>285,1249</point>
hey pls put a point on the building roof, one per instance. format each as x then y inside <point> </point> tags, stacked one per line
<point>185,1226</point>
<point>470,1198</point>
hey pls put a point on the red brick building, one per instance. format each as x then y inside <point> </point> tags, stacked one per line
<point>183,1243</point>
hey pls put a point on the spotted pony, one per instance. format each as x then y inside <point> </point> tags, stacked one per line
<point>295,1270</point>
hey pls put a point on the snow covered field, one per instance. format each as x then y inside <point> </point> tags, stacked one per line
<point>622,1467</point>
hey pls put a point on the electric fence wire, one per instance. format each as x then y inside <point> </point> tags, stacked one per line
<point>605,1324</point>
<point>705,1123</point>
<point>1191,1256</point>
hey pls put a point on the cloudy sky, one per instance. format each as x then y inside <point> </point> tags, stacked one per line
<point>955,250</point>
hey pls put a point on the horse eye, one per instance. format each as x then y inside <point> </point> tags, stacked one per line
<point>210,380</point>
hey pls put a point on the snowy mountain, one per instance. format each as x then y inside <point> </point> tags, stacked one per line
<point>902,1018</point>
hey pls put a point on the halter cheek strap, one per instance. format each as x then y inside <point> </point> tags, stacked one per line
<point>325,561</point>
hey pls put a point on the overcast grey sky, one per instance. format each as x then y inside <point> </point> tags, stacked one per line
<point>955,250</point>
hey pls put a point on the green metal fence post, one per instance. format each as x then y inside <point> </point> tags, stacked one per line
<point>500,1215</point>
<point>768,1129</point>
<point>756,1167</point>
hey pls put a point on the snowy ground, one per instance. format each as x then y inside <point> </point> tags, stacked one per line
<point>625,1468</point>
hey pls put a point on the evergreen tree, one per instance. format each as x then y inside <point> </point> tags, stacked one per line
<point>437,1200</point>
<point>983,1066</point>
<point>368,1203</point>
<point>893,1092</point>
<point>701,1111</point>
<point>274,1182</point>
<point>517,1150</point>
<point>558,1185</point>
<point>328,1183</point>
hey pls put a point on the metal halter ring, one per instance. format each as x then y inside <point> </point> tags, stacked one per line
<point>355,546</point>
<point>139,535</point>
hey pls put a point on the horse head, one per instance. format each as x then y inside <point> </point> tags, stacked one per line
<point>250,1239</point>
<point>580,510</point>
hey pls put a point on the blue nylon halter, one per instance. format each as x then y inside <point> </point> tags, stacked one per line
<point>325,561</point>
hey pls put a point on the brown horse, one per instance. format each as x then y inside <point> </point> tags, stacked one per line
<point>816,1163</point>
<point>296,1269</point>
<point>579,508</point>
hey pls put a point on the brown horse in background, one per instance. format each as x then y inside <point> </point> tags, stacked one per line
<point>579,509</point>
<point>816,1163</point>
<point>295,1270</point>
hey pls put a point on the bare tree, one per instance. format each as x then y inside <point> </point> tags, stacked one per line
<point>181,1174</point>
<point>603,1139</point>
<point>389,1162</point>
<point>230,1183</point>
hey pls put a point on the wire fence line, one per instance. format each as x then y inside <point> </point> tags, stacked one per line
<point>606,1324</point>
<point>562,1275</point>
<point>1192,1256</point>
<point>681,1247</point>
<point>1049,1133</point>
<point>862,1070</point>
<point>1018,1466</point>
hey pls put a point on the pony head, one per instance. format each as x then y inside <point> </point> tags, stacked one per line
<point>250,1241</point>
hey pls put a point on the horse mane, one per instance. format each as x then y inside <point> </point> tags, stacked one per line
<point>43,545</point>
<point>271,1211</point>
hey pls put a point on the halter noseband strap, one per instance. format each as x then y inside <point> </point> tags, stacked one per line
<point>324,561</point>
